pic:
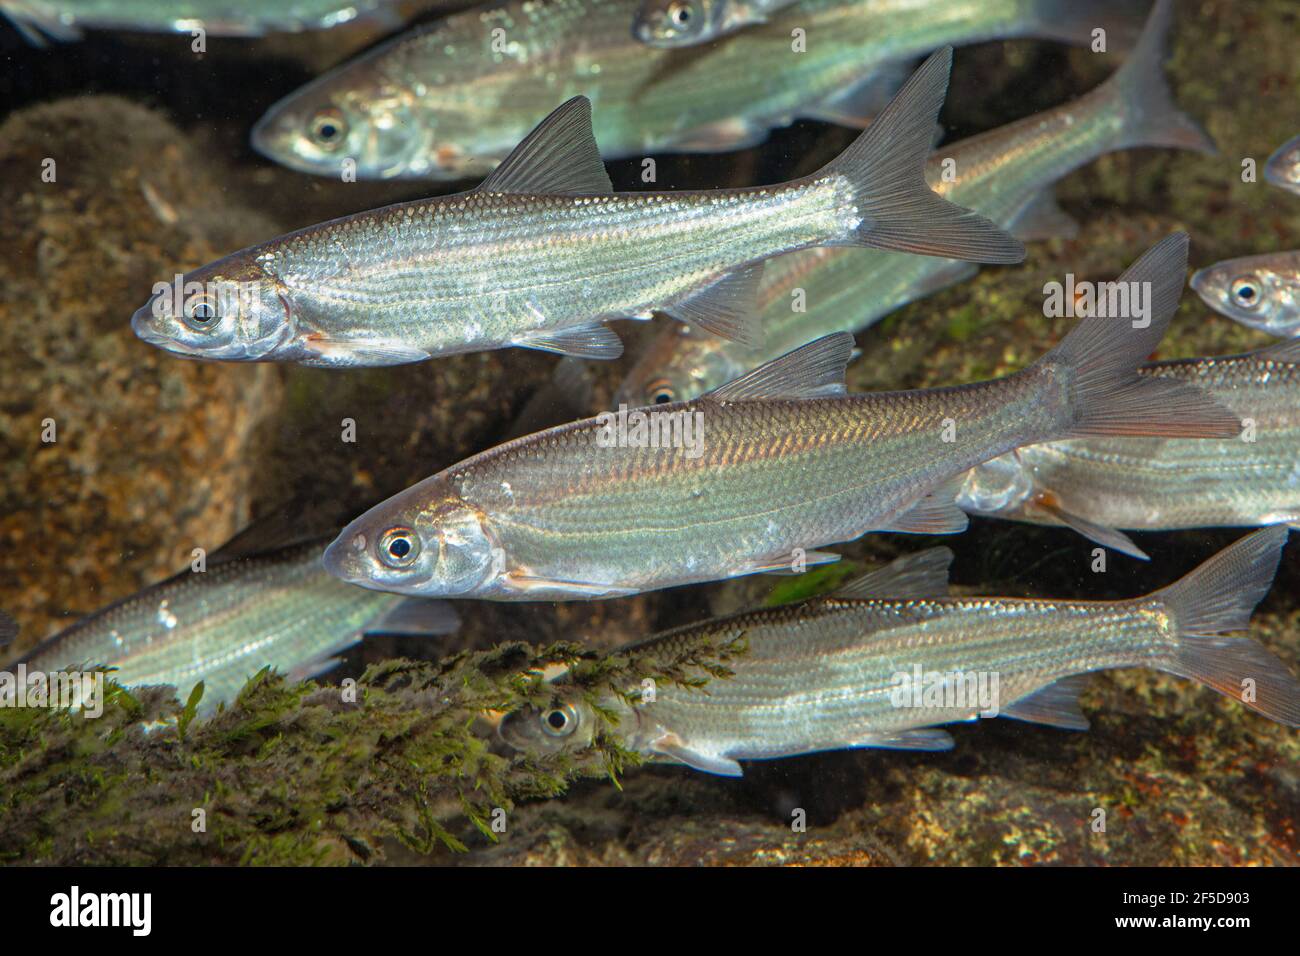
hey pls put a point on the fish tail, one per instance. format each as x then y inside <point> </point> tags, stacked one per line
<point>1099,363</point>
<point>1140,93</point>
<point>885,167</point>
<point>1217,597</point>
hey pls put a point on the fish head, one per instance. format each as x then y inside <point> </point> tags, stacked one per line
<point>1262,292</point>
<point>681,364</point>
<point>673,23</point>
<point>230,310</point>
<point>1283,167</point>
<point>425,541</point>
<point>567,723</point>
<point>352,120</point>
<point>1003,486</point>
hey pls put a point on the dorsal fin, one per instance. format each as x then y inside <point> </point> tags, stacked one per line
<point>921,574</point>
<point>815,370</point>
<point>559,156</point>
<point>1288,350</point>
<point>273,531</point>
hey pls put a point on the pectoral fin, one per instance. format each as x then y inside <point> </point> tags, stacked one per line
<point>331,353</point>
<point>672,746</point>
<point>924,738</point>
<point>551,589</point>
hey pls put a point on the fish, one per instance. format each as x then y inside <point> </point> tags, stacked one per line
<point>1261,292</point>
<point>246,611</point>
<point>680,23</point>
<point>888,657</point>
<point>1006,174</point>
<point>1100,485</point>
<point>1282,168</point>
<point>65,20</point>
<point>544,252</point>
<point>759,474</point>
<point>448,101</point>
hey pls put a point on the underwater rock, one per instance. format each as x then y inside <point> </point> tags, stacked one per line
<point>150,457</point>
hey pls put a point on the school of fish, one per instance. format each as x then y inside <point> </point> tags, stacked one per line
<point>735,448</point>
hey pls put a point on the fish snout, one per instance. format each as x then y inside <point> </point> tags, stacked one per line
<point>344,557</point>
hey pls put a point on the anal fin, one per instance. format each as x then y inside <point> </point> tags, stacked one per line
<point>583,341</point>
<point>1056,705</point>
<point>726,307</point>
<point>1042,218</point>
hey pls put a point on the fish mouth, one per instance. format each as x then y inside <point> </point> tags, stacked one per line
<point>142,326</point>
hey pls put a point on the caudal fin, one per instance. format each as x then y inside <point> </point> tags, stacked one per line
<point>1219,597</point>
<point>1140,94</point>
<point>1103,354</point>
<point>886,168</point>
<point>1076,22</point>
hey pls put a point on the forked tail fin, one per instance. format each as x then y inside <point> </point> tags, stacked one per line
<point>886,169</point>
<point>1219,597</point>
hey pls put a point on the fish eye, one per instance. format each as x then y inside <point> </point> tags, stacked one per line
<point>661,392</point>
<point>679,14</point>
<point>201,313</point>
<point>399,547</point>
<point>559,721</point>
<point>328,129</point>
<point>1245,292</point>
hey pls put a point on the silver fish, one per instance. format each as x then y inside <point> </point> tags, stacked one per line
<point>890,655</point>
<point>680,23</point>
<point>1262,292</point>
<point>224,624</point>
<point>758,474</point>
<point>65,19</point>
<point>1006,174</point>
<point>1282,169</point>
<point>448,101</point>
<point>544,251</point>
<point>1099,485</point>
